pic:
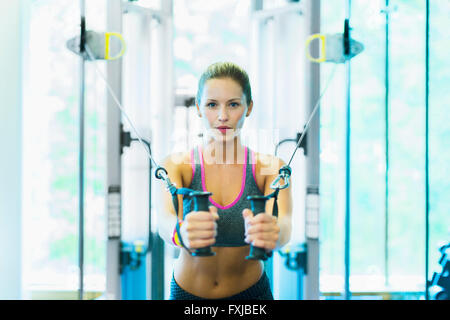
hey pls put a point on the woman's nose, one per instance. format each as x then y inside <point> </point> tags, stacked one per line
<point>223,115</point>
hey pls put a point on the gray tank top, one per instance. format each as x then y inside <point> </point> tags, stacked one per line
<point>230,225</point>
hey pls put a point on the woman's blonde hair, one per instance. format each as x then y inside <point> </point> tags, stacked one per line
<point>222,70</point>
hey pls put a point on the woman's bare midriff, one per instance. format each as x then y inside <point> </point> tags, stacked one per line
<point>223,275</point>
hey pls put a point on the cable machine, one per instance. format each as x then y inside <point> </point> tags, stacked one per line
<point>87,45</point>
<point>92,45</point>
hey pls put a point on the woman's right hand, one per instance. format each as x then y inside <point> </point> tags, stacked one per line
<point>199,228</point>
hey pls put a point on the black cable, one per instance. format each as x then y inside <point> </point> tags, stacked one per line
<point>283,141</point>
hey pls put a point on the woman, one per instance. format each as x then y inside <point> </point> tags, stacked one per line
<point>231,172</point>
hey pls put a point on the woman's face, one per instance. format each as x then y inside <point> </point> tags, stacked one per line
<point>223,108</point>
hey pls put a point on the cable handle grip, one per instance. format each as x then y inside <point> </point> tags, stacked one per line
<point>201,203</point>
<point>258,205</point>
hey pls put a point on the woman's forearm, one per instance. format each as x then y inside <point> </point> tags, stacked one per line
<point>285,231</point>
<point>166,225</point>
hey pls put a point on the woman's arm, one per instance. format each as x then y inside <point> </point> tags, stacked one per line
<point>167,218</point>
<point>284,205</point>
<point>199,228</point>
<point>265,230</point>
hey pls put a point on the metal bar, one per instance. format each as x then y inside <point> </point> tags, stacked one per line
<point>165,81</point>
<point>386,196</point>
<point>270,13</point>
<point>150,233</point>
<point>311,281</point>
<point>131,7</point>
<point>155,247</point>
<point>150,179</point>
<point>256,5</point>
<point>347,293</point>
<point>113,170</point>
<point>81,154</point>
<point>157,268</point>
<point>427,182</point>
<point>300,276</point>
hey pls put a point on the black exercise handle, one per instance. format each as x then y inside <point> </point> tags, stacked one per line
<point>201,203</point>
<point>258,205</point>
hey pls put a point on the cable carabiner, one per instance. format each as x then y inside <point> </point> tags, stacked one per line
<point>161,174</point>
<point>285,174</point>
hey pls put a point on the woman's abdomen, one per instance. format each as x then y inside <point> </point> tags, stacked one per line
<point>223,275</point>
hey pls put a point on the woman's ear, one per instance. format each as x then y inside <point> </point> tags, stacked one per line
<point>249,110</point>
<point>198,110</point>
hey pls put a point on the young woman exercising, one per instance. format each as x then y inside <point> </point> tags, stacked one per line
<point>231,172</point>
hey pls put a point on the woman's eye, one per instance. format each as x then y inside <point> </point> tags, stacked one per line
<point>234,104</point>
<point>211,104</point>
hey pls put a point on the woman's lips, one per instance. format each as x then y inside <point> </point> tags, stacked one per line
<point>223,130</point>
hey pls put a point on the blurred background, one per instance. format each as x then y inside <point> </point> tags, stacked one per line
<point>377,157</point>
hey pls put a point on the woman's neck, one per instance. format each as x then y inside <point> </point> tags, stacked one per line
<point>224,152</point>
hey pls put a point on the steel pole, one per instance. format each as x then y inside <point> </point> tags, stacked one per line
<point>81,154</point>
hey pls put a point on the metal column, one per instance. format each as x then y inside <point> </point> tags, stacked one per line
<point>427,168</point>
<point>165,110</point>
<point>311,289</point>
<point>113,178</point>
<point>81,154</point>
<point>347,293</point>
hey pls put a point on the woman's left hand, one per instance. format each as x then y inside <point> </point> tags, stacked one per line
<point>261,230</point>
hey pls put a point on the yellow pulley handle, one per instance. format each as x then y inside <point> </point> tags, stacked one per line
<point>107,45</point>
<point>322,56</point>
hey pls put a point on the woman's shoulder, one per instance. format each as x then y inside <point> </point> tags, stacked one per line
<point>267,164</point>
<point>178,160</point>
<point>179,163</point>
